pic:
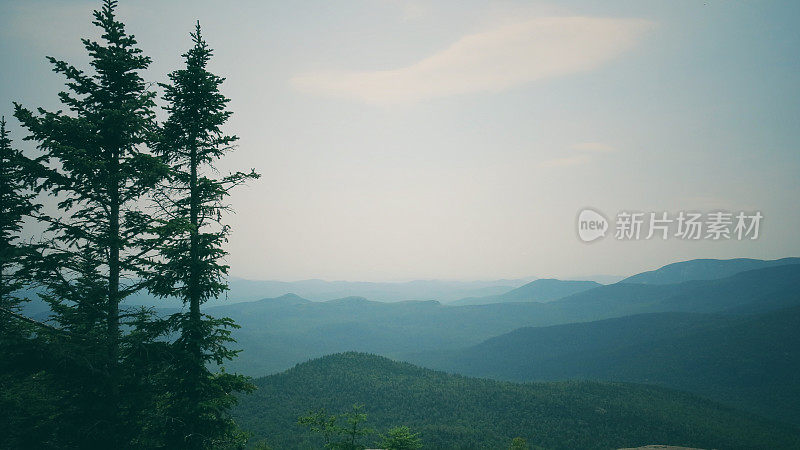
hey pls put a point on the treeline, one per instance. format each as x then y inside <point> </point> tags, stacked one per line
<point>131,205</point>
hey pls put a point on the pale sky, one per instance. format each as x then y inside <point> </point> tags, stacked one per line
<point>459,139</point>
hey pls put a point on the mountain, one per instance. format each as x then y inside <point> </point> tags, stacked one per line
<point>278,333</point>
<point>750,362</point>
<point>457,412</point>
<point>751,291</point>
<point>241,290</point>
<point>704,269</point>
<point>320,290</point>
<point>542,290</point>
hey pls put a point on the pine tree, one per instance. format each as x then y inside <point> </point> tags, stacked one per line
<point>97,166</point>
<point>22,389</point>
<point>17,201</point>
<point>519,443</point>
<point>191,264</point>
<point>400,438</point>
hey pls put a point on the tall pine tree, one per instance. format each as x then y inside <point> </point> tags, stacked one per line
<point>191,264</point>
<point>97,167</point>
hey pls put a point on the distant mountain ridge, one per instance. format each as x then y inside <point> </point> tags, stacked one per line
<point>465,292</point>
<point>541,290</point>
<point>457,412</point>
<point>278,333</point>
<point>750,362</point>
<point>704,269</point>
<point>321,290</point>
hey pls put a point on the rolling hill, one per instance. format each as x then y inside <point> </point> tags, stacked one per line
<point>542,290</point>
<point>750,362</point>
<point>457,412</point>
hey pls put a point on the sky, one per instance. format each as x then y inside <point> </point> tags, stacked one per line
<point>460,140</point>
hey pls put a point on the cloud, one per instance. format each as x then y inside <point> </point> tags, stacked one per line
<point>566,161</point>
<point>587,152</point>
<point>490,61</point>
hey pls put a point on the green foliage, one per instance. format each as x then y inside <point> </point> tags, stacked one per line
<point>519,443</point>
<point>322,423</point>
<point>189,235</point>
<point>116,376</point>
<point>456,412</point>
<point>17,202</point>
<point>23,386</point>
<point>343,432</point>
<point>95,162</point>
<point>347,431</point>
<point>400,438</point>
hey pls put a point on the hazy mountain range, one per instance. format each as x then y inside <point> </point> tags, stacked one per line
<point>730,339</point>
<point>704,269</point>
<point>279,332</point>
<point>241,290</point>
<point>542,290</point>
<point>750,362</point>
<point>723,329</point>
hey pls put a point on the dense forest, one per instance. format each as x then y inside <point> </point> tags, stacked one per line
<point>451,411</point>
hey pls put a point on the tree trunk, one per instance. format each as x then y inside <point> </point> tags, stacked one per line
<point>195,333</point>
<point>113,291</point>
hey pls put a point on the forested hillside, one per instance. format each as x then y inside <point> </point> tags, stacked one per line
<point>452,411</point>
<point>750,362</point>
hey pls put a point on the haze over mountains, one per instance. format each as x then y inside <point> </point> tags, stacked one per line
<point>704,269</point>
<point>241,290</point>
<point>730,339</point>
<point>280,332</point>
<point>541,290</point>
<point>465,292</point>
<point>726,330</point>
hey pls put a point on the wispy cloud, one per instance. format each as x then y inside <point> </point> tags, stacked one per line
<point>575,160</point>
<point>586,153</point>
<point>489,61</point>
